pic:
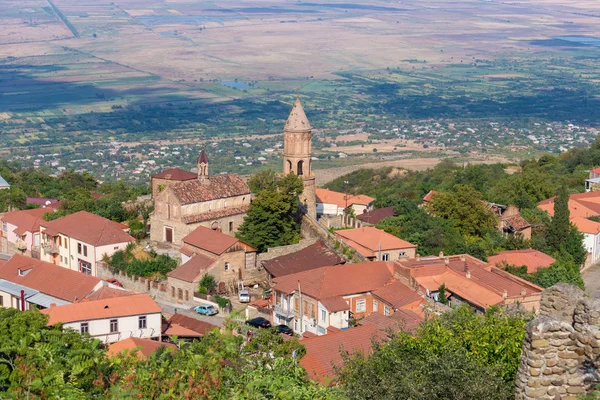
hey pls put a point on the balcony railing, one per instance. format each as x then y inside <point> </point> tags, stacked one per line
<point>51,248</point>
<point>283,311</point>
<point>21,245</point>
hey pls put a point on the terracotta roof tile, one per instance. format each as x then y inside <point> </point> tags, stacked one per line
<point>314,256</point>
<point>27,220</point>
<point>330,197</point>
<point>339,280</point>
<point>516,222</point>
<point>335,304</point>
<point>197,327</point>
<point>48,278</point>
<point>106,292</point>
<point>88,228</point>
<point>217,187</point>
<point>429,196</point>
<point>585,225</point>
<point>323,352</point>
<point>210,240</point>
<point>138,304</point>
<point>368,240</point>
<point>143,347</point>
<point>375,216</point>
<point>398,294</point>
<point>404,320</point>
<point>193,268</point>
<point>532,259</point>
<point>210,215</point>
<point>176,174</point>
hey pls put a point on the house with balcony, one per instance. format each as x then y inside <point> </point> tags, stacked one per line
<point>21,231</point>
<point>330,203</point>
<point>376,244</point>
<point>323,300</point>
<point>111,320</point>
<point>78,241</point>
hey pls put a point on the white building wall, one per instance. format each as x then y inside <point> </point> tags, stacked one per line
<point>339,319</point>
<point>592,245</point>
<point>329,209</point>
<point>127,327</point>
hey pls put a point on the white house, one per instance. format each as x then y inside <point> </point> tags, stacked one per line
<point>78,241</point>
<point>21,231</point>
<point>332,203</point>
<point>111,320</point>
<point>591,237</point>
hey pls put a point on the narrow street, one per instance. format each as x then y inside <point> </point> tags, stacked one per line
<point>170,309</point>
<point>591,278</point>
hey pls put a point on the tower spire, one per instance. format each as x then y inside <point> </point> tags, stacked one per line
<point>202,165</point>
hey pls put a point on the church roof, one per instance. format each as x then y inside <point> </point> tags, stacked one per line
<point>176,174</point>
<point>297,120</point>
<point>217,187</point>
<point>203,158</point>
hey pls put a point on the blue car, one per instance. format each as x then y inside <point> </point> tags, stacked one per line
<point>206,309</point>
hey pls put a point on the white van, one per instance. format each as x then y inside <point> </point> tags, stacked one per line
<point>244,296</point>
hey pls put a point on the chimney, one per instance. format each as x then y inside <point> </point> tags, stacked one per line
<point>447,260</point>
<point>441,254</point>
<point>505,294</point>
<point>417,258</point>
<point>468,273</point>
<point>463,258</point>
<point>523,291</point>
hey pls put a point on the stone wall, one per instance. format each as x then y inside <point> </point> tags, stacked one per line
<point>561,350</point>
<point>284,250</point>
<point>157,290</point>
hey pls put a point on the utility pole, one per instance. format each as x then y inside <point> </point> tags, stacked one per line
<point>300,301</point>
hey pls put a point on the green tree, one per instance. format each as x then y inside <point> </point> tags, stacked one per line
<point>12,199</point>
<point>442,298</point>
<point>559,227</point>
<point>273,217</point>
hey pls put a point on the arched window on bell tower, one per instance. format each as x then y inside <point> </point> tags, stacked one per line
<point>300,167</point>
<point>289,164</point>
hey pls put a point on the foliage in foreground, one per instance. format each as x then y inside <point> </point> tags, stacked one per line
<point>134,261</point>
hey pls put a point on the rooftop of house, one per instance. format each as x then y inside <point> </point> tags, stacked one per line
<point>48,278</point>
<point>314,256</point>
<point>297,121</point>
<point>467,277</point>
<point>215,214</point>
<point>585,225</point>
<point>137,304</point>
<point>342,200</point>
<point>216,187</point>
<point>3,183</point>
<point>532,259</point>
<point>323,352</point>
<point>211,240</point>
<point>596,170</point>
<point>401,319</point>
<point>516,222</point>
<point>88,228</point>
<point>374,216</point>
<point>369,240</point>
<point>429,196</point>
<point>176,174</point>
<point>182,326</point>
<point>580,204</point>
<point>26,220</point>
<point>339,280</point>
<point>193,269</point>
<point>142,347</point>
<point>41,201</point>
<point>398,295</point>
<point>106,292</point>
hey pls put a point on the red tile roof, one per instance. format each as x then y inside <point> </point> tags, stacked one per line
<point>27,220</point>
<point>585,225</point>
<point>596,170</point>
<point>314,256</point>
<point>138,304</point>
<point>48,278</point>
<point>326,196</point>
<point>402,319</point>
<point>211,215</point>
<point>193,269</point>
<point>516,222</point>
<point>210,240</point>
<point>340,280</point>
<point>106,292</point>
<point>217,187</point>
<point>88,228</point>
<point>430,195</point>
<point>580,204</point>
<point>398,294</point>
<point>532,259</point>
<point>375,216</point>
<point>323,352</point>
<point>368,240</point>
<point>335,304</point>
<point>142,347</point>
<point>176,174</point>
<point>184,326</point>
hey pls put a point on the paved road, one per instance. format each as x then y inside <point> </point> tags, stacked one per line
<point>172,309</point>
<point>591,278</point>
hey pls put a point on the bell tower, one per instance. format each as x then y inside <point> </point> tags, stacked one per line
<point>202,166</point>
<point>297,147</point>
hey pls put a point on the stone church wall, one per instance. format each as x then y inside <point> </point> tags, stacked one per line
<point>561,350</point>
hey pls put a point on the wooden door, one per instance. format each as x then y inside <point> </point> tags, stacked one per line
<point>169,235</point>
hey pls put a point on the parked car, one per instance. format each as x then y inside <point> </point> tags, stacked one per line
<point>259,322</point>
<point>244,296</point>
<point>206,309</point>
<point>114,282</point>
<point>285,330</point>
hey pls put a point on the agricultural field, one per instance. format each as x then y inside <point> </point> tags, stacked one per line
<point>412,78</point>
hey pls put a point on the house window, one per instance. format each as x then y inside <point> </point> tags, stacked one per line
<point>65,243</point>
<point>402,253</point>
<point>361,305</point>
<point>142,324</point>
<point>85,251</point>
<point>323,315</point>
<point>296,304</point>
<point>172,291</point>
<point>85,267</point>
<point>61,259</point>
<point>84,327</point>
<point>114,325</point>
<point>4,227</point>
<point>385,257</point>
<point>231,227</point>
<point>78,248</point>
<point>1,301</point>
<point>187,295</point>
<point>226,266</point>
<point>375,306</point>
<point>180,294</point>
<point>59,241</point>
<point>386,311</point>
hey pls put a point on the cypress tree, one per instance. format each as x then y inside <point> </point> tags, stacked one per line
<point>559,227</point>
<point>442,298</point>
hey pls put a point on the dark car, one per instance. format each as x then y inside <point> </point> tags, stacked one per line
<point>285,329</point>
<point>259,322</point>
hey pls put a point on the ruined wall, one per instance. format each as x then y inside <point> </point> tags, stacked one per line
<point>561,350</point>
